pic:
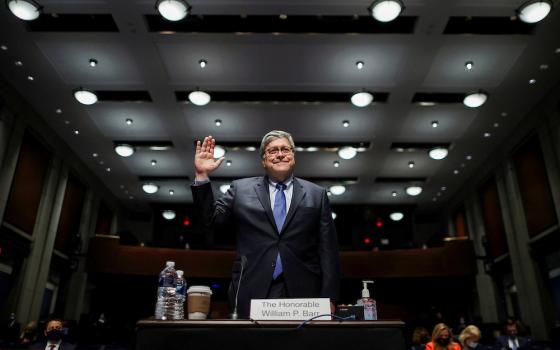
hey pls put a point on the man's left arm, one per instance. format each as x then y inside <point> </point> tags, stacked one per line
<point>328,251</point>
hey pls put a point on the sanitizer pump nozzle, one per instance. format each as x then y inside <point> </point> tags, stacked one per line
<point>370,307</point>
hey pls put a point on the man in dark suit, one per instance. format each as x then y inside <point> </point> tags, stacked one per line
<point>54,334</point>
<point>511,340</point>
<point>283,224</point>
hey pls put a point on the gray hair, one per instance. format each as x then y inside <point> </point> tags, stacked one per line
<point>273,135</point>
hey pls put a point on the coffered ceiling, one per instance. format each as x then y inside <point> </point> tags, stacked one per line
<point>295,74</point>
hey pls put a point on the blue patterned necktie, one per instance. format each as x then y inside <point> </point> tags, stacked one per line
<point>279,217</point>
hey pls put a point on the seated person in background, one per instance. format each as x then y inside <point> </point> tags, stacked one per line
<point>470,337</point>
<point>442,339</point>
<point>54,333</point>
<point>511,340</point>
<point>420,337</point>
<point>29,334</point>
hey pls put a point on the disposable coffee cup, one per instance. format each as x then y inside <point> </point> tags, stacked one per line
<point>198,302</point>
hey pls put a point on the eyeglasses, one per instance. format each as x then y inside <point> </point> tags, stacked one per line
<point>274,151</point>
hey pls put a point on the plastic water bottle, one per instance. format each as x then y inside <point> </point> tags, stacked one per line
<point>181,287</point>
<point>165,304</point>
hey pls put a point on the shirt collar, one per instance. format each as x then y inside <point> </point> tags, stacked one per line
<point>288,182</point>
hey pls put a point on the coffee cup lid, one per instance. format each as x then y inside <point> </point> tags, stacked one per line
<point>199,289</point>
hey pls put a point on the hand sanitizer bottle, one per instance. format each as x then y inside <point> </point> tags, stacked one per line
<point>370,308</point>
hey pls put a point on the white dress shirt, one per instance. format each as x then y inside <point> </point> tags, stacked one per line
<point>288,192</point>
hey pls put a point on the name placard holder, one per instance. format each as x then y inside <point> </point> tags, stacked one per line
<point>290,309</point>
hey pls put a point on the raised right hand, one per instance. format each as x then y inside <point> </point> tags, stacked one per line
<point>204,162</point>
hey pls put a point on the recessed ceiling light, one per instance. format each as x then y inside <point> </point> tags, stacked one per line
<point>153,162</point>
<point>124,150</point>
<point>199,98</point>
<point>218,122</point>
<point>202,63</point>
<point>359,64</point>
<point>150,188</point>
<point>219,151</point>
<point>283,16</point>
<point>396,216</point>
<point>228,162</point>
<point>329,193</point>
<point>504,114</point>
<point>543,66</point>
<point>171,192</point>
<point>394,193</point>
<point>312,149</point>
<point>532,81</point>
<point>435,124</point>
<point>337,190</point>
<point>386,10</point>
<point>496,125</point>
<point>101,162</point>
<point>336,164</point>
<point>487,134</point>
<point>411,164</point>
<point>94,155</point>
<point>67,122</point>
<point>475,99</point>
<point>130,197</point>
<point>347,152</point>
<point>455,171</point>
<point>3,47</point>
<point>438,153</point>
<point>58,111</point>
<point>26,10</point>
<point>168,214</point>
<point>18,63</point>
<point>463,165</point>
<point>469,65</point>
<point>76,132</point>
<point>251,148</point>
<point>361,99</point>
<point>92,62</point>
<point>333,215</point>
<point>468,157</point>
<point>30,78</point>
<point>173,10</point>
<point>434,199</point>
<point>427,103</point>
<point>345,123</point>
<point>224,188</point>
<point>443,188</point>
<point>129,121</point>
<point>85,97</point>
<point>108,170</point>
<point>557,50</point>
<point>534,10</point>
<point>413,190</point>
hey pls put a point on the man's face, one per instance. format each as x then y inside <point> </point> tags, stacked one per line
<point>511,330</point>
<point>279,160</point>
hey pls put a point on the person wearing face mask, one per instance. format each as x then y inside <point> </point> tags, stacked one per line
<point>54,332</point>
<point>420,337</point>
<point>470,337</point>
<point>511,340</point>
<point>442,339</point>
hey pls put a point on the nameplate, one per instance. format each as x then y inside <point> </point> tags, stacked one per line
<point>290,309</point>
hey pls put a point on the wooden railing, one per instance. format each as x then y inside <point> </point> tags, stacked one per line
<point>455,258</point>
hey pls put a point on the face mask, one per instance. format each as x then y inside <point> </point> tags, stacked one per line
<point>54,335</point>
<point>443,341</point>
<point>472,344</point>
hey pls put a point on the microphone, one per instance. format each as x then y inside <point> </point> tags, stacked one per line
<point>235,315</point>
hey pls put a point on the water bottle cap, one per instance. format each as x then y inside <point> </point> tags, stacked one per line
<point>170,263</point>
<point>180,273</point>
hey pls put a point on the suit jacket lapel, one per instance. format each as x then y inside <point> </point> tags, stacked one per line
<point>297,195</point>
<point>264,197</point>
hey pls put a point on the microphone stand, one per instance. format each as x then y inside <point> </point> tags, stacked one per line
<point>235,315</point>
